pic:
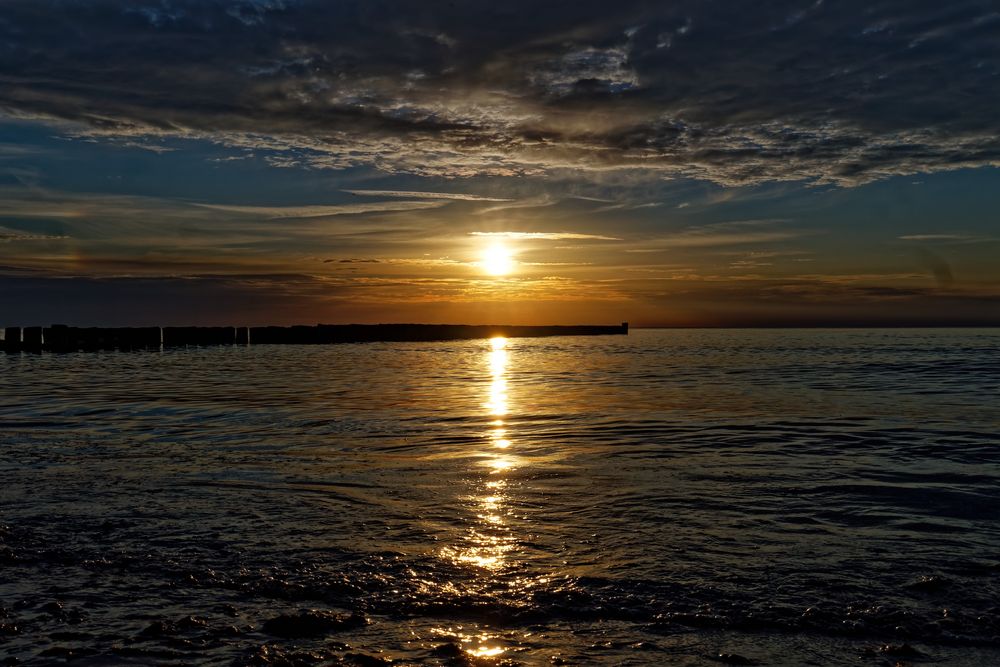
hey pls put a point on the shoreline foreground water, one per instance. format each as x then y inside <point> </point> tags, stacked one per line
<point>671,497</point>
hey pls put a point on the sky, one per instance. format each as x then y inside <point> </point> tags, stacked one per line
<point>702,163</point>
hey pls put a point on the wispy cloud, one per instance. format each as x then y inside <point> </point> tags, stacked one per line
<point>548,236</point>
<point>401,261</point>
<point>279,212</point>
<point>556,263</point>
<point>626,207</point>
<point>9,235</point>
<point>352,261</point>
<point>935,237</point>
<point>947,238</point>
<point>538,201</point>
<point>407,194</point>
<point>738,232</point>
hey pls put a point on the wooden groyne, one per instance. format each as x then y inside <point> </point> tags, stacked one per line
<point>61,338</point>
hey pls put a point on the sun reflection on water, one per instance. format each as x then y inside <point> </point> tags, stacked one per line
<point>486,651</point>
<point>498,358</point>
<point>489,542</point>
<point>481,645</point>
<point>499,463</point>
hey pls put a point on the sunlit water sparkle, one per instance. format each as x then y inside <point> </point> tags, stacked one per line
<point>795,497</point>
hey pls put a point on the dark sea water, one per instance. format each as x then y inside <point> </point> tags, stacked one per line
<point>794,497</point>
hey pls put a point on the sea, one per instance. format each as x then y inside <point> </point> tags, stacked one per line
<point>670,497</point>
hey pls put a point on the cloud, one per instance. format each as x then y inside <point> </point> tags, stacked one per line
<point>739,232</point>
<point>133,235</point>
<point>278,212</point>
<point>626,207</point>
<point>9,235</point>
<point>556,263</point>
<point>935,237</point>
<point>841,93</point>
<point>948,238</point>
<point>9,150</point>
<point>590,68</point>
<point>538,201</point>
<point>293,298</point>
<point>424,195</point>
<point>400,261</point>
<point>548,236</point>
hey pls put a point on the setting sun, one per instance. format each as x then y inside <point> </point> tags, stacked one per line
<point>497,260</point>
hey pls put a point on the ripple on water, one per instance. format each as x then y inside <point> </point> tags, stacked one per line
<point>670,497</point>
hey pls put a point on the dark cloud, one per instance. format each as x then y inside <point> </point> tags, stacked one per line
<point>819,301</point>
<point>289,298</point>
<point>133,301</point>
<point>842,92</point>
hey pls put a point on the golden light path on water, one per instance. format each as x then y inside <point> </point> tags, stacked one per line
<point>490,540</point>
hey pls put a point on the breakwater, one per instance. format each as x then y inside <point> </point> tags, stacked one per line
<point>61,338</point>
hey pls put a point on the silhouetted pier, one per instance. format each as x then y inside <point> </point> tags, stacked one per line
<point>61,338</point>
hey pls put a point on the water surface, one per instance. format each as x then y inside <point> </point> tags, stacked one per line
<point>825,497</point>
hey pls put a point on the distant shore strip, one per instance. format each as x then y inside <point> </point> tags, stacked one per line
<point>62,338</point>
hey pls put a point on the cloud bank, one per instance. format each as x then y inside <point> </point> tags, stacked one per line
<point>735,93</point>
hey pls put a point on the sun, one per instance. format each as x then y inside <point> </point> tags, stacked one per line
<point>497,260</point>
